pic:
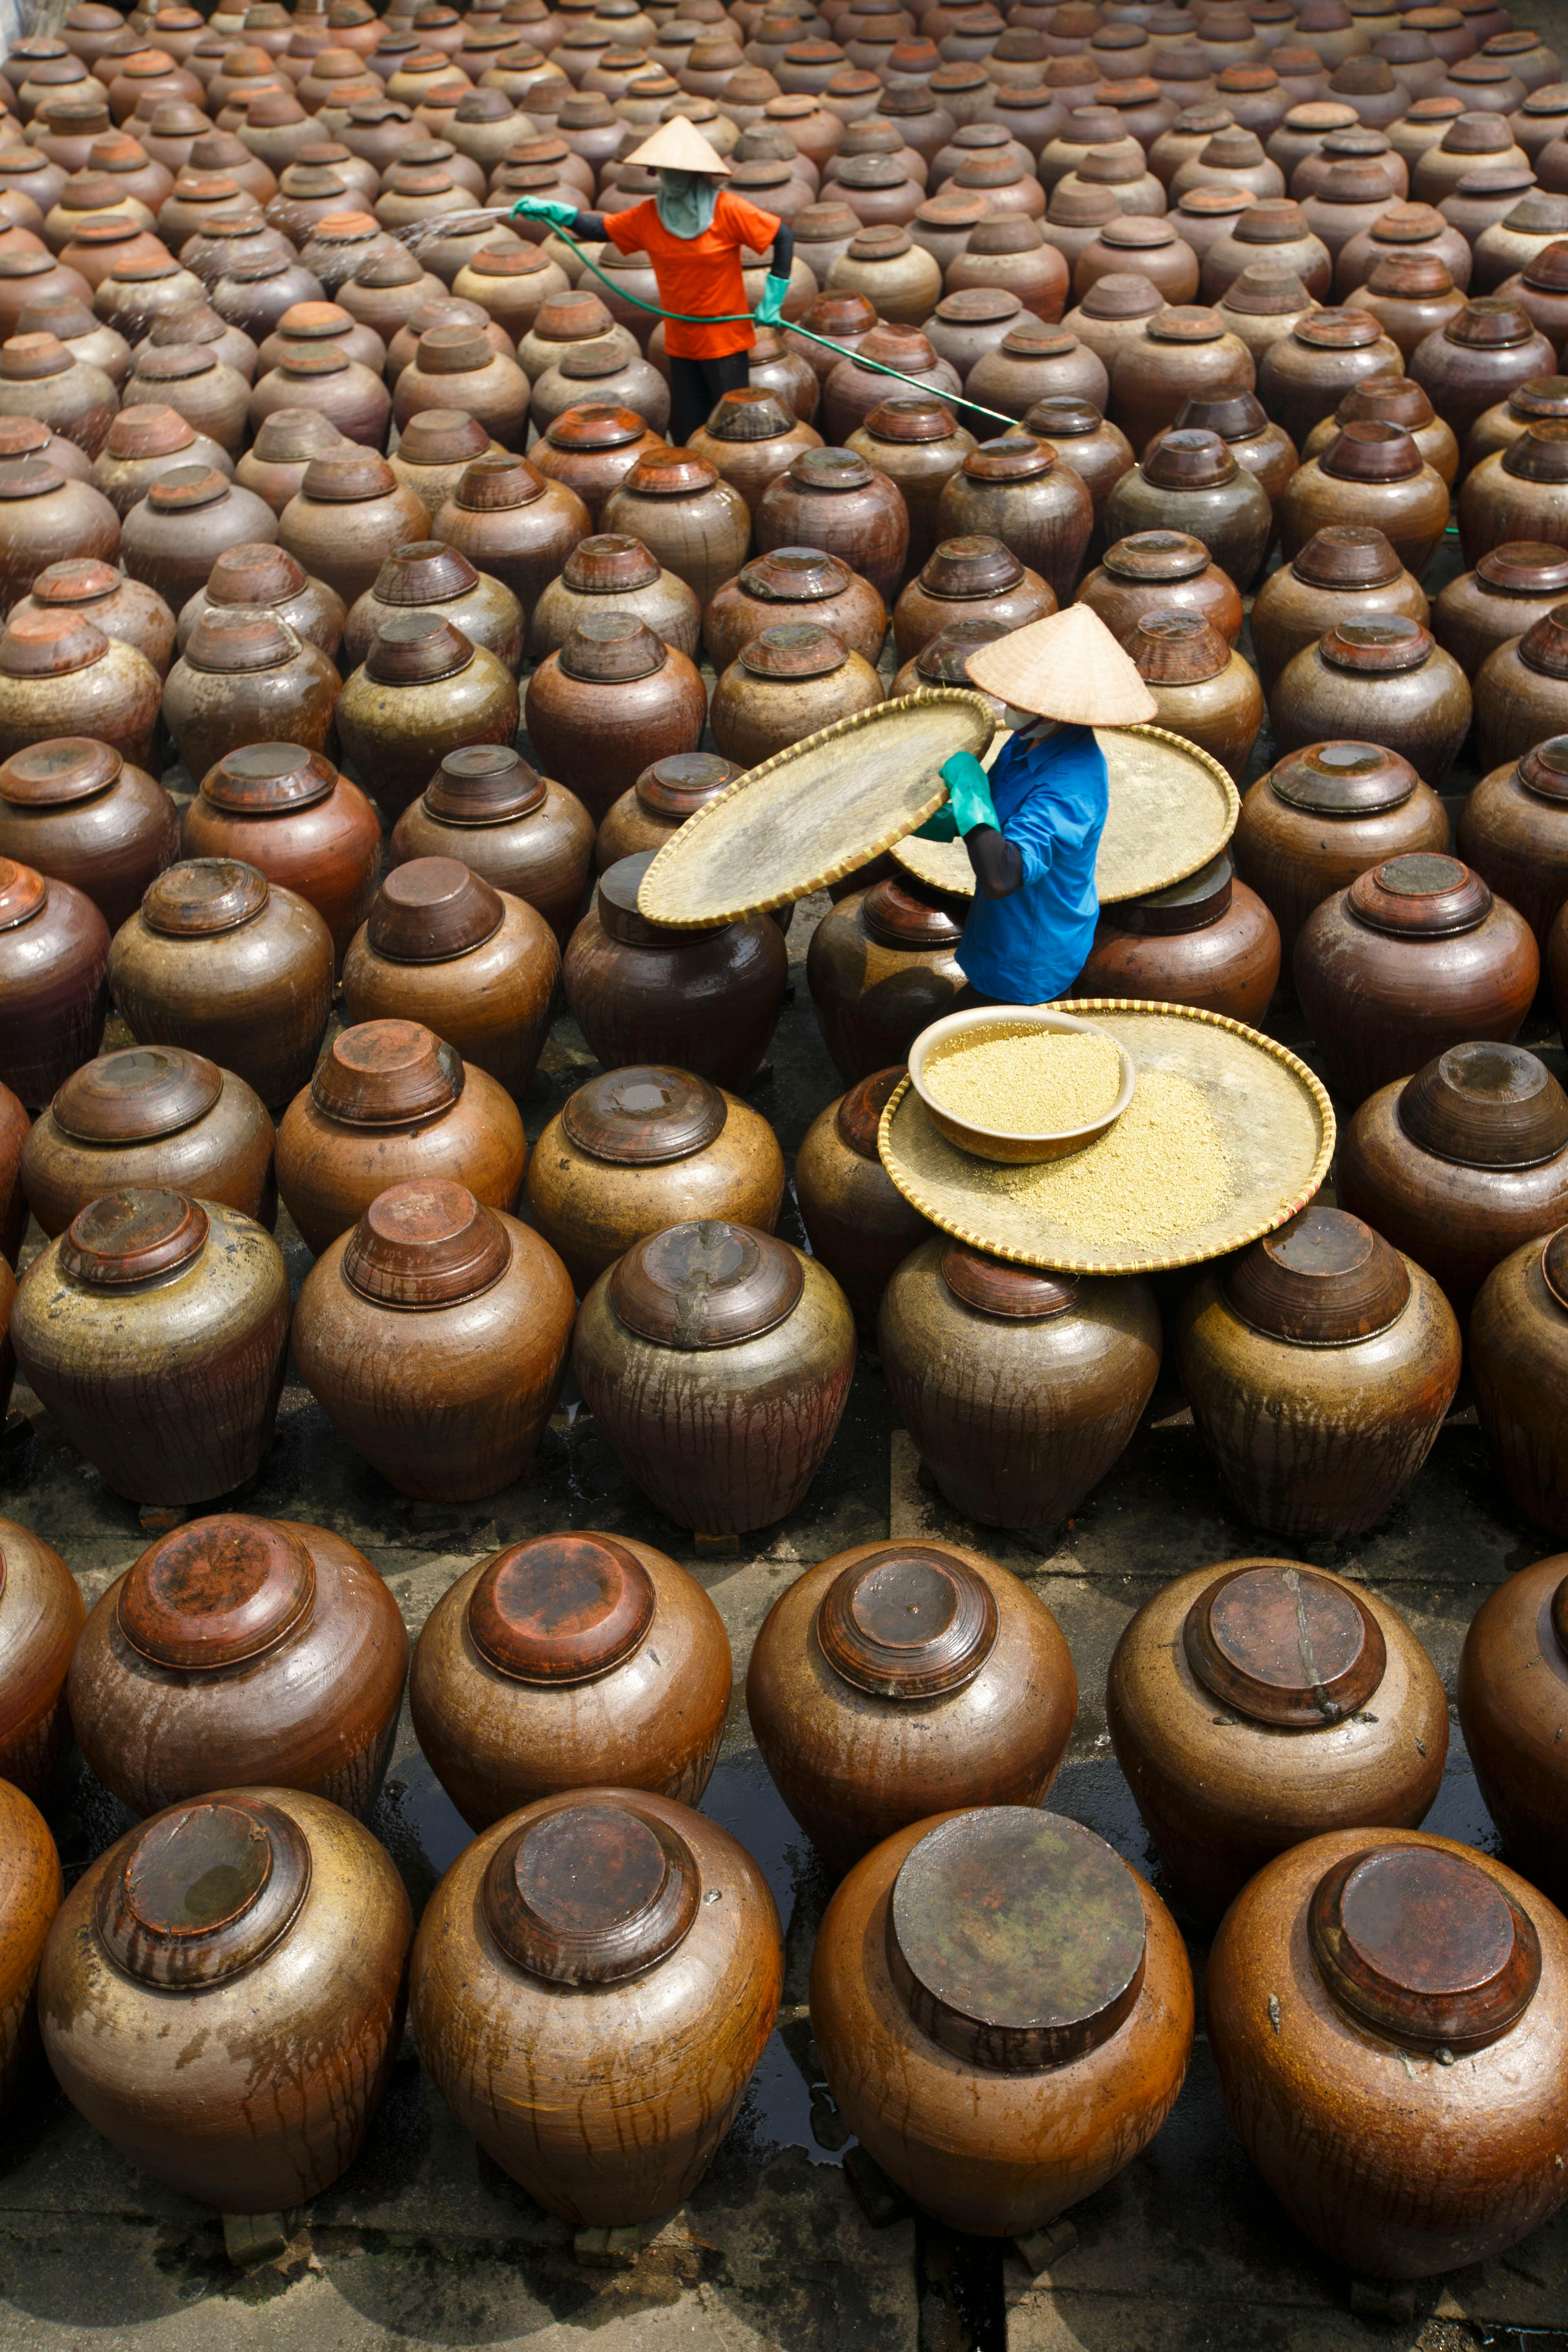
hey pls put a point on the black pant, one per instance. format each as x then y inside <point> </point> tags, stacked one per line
<point>695,387</point>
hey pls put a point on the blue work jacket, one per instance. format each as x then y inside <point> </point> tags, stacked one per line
<point>1050,799</point>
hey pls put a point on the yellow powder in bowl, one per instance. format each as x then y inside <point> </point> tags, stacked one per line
<point>1161,1171</point>
<point>1019,1081</point>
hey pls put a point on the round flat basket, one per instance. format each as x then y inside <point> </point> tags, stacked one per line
<point>1226,1137</point>
<point>1171,810</point>
<point>812,813</point>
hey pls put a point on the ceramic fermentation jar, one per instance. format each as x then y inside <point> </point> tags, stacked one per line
<point>1344,573</point>
<point>423,689</point>
<point>246,678</point>
<point>520,831</point>
<point>1512,1671</point>
<point>1161,571</point>
<point>1519,1347</point>
<point>605,573</point>
<point>1325,816</point>
<point>150,1115</point>
<point>73,808</point>
<point>426,576</point>
<point>54,993</point>
<point>1208,941</point>
<point>1512,831</point>
<point>787,683</point>
<point>30,1890</point>
<point>881,966</point>
<point>1386,679</point>
<point>857,1221</point>
<point>61,675</point>
<point>615,697</point>
<point>287,812</point>
<point>41,1614</point>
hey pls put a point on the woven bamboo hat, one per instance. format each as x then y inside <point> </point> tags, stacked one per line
<point>1067,667</point>
<point>679,146</point>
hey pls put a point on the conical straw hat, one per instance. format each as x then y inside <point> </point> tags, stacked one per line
<point>679,146</point>
<point>1067,667</point>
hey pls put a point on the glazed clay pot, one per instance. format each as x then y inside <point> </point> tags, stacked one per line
<point>274,466</point>
<point>150,1115</point>
<point>609,573</point>
<point>752,438</point>
<point>286,809</point>
<point>1370,474</point>
<point>54,997</point>
<point>1355,1348</point>
<point>1208,941</point>
<point>61,675</point>
<point>1235,1752</point>
<point>971,578</point>
<point>45,516</point>
<point>694,524</point>
<point>881,967</point>
<point>834,500</point>
<point>73,809</point>
<point>718,1361</point>
<point>639,1910</point>
<point>1038,362</point>
<point>434,1336</point>
<point>521,832</point>
<point>1512,832</point>
<point>1242,423</point>
<point>424,575</point>
<point>1519,492</point>
<point>863,1733</point>
<point>794,584</point>
<point>239,1647</point>
<point>123,608</point>
<point>1411,296</point>
<point>1304,376</point>
<point>1387,680</point>
<point>1344,571</point>
<point>1323,815</point>
<point>1518,1343</point>
<point>1511,1670</point>
<point>424,689</point>
<point>571,1662</point>
<point>389,1103</point>
<point>1204,690</point>
<point>39,377</point>
<point>665,794</point>
<point>857,1221</point>
<point>1161,571</point>
<point>1410,1940</point>
<point>244,678</point>
<point>1485,353</point>
<point>13,1132</point>
<point>513,524</point>
<point>244,2123</point>
<point>30,1891</point>
<point>785,684</point>
<point>615,696</point>
<point>192,514</point>
<point>41,1614</point>
<point>1017,490</point>
<point>477,966</point>
<point>1460,1164</point>
<point>1520,690</point>
<point>1186,352</point>
<point>435,450</point>
<point>995,2127</point>
<point>348,514</point>
<point>917,442</point>
<point>634,1151</point>
<point>591,447</point>
<point>155,1330</point>
<point>702,1001</point>
<point>1190,483</point>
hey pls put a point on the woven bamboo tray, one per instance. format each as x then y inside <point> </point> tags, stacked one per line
<point>815,813</point>
<point>1172,808</point>
<point>1274,1121</point>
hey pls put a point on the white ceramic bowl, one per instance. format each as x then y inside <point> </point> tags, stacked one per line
<point>996,1143</point>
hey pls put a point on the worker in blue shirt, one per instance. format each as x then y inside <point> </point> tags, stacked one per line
<point>1032,826</point>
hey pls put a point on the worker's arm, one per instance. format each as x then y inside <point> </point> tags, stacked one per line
<point>588,225</point>
<point>770,309</point>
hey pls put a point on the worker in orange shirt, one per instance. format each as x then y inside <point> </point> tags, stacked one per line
<point>692,232</point>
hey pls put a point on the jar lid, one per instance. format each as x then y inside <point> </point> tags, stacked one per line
<point>1157,556</point>
<point>258,575</point>
<point>49,644</point>
<point>27,359</point>
<point>1344,778</point>
<point>1018,1293</point>
<point>664,473</point>
<point>1235,414</point>
<point>1493,322</point>
<point>1423,1947</point>
<point>792,650</point>
<point>262,780</point>
<point>1382,649</point>
<point>1325,1280</point>
<point>1422,895</point>
<point>686,780</point>
<point>751,414</point>
<point>1544,646</point>
<point>59,773</point>
<point>706,1284</point>
<point>944,658</point>
<point>498,483</point>
<point>1547,269</point>
<point>1544,768</point>
<point>77,580</point>
<point>426,1244</point>
<point>342,476</point>
<point>859,1113</point>
<point>202,1892</point>
<point>908,1621</point>
<point>1273,220</point>
<point>216,1591</point>
<point>140,1093</point>
<point>1386,400</point>
<point>1186,458</point>
<point>183,489</point>
<point>588,363</point>
<point>1539,454</point>
<point>645,1116</point>
<point>1484,1105</point>
<point>1410,277</point>
<point>201,897</point>
<point>593,1891</point>
<point>611,648</point>
<point>973,565</point>
<point>1122,294</point>
<point>1137,232</point>
<point>1348,556</point>
<point>1285,1646</point>
<point>1338,329</point>
<point>1189,905</point>
<point>1177,648</point>
<point>417,648</point>
<point>433,909</point>
<point>131,1235</point>
<point>1016,1938</point>
<point>1266,289</point>
<point>1554,1273</point>
<point>484,783</point>
<point>282,438</point>
<point>802,576</point>
<point>562,1609</point>
<point>232,641</point>
<point>425,572</point>
<point>901,913</point>
<point>1016,457</point>
<point>609,564</point>
<point>386,1074</point>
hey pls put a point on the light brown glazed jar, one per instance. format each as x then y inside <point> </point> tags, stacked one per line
<point>1392,400</point>
<point>918,443</point>
<point>441,946</point>
<point>1302,378</point>
<point>1519,492</point>
<point>1484,354</point>
<point>695,525</point>
<point>150,1116</point>
<point>1512,586</point>
<point>123,608</point>
<point>522,831</point>
<point>794,584</point>
<point>348,514</point>
<point>1264,306</point>
<point>54,954</point>
<point>1356,1350</point>
<point>74,810</point>
<point>832,499</point>
<point>1342,573</point>
<point>1017,490</point>
<point>615,696</point>
<point>155,1330</point>
<point>752,438</point>
<point>787,683</point>
<point>265,578</point>
<point>1250,434</point>
<point>1518,1338</point>
<point>1511,1677</point>
<point>423,689</point>
<point>1388,681</point>
<point>60,675</point>
<point>1522,690</point>
<point>1190,484</point>
<point>246,677</point>
<point>41,1614</point>
<point>47,517</point>
<point>512,282</point>
<point>425,575</point>
<point>191,515</point>
<point>435,450</point>
<point>1411,296</point>
<point>609,573</point>
<point>972,578</point>
<point>274,466</point>
<point>284,809</point>
<point>591,447</point>
<point>1204,690</point>
<point>881,966</point>
<point>1185,353</point>
<point>1369,474</point>
<point>1038,362</point>
<point>1323,815</point>
<point>1511,831</point>
<point>193,381</point>
<point>665,794</point>
<point>513,523</point>
<point>387,1103</point>
<point>40,378</point>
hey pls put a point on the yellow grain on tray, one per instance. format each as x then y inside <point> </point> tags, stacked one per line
<point>1024,1081</point>
<point>1162,1170</point>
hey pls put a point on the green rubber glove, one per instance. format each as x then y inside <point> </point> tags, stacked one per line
<point>969,792</point>
<point>545,208</point>
<point>769,311</point>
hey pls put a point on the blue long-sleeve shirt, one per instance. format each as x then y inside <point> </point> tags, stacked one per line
<point>1050,799</point>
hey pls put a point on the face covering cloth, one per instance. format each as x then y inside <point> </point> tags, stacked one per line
<point>686,202</point>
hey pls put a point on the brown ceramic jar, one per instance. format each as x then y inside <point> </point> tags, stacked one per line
<point>1017,490</point>
<point>1388,681</point>
<point>665,794</point>
<point>512,523</point>
<point>834,500</point>
<point>752,438</point>
<point>1264,307</point>
<point>1511,1670</point>
<point>435,450</point>
<point>54,997</point>
<point>787,683</point>
<point>794,584</point>
<point>150,1115</point>
<point>1512,586</point>
<point>1159,572</point>
<point>1511,831</point>
<point>41,1614</point>
<point>245,678</point>
<point>1038,362</point>
<point>1485,353</point>
<point>40,378</point>
<point>61,675</point>
<point>591,447</point>
<point>348,514</point>
<point>155,1330</point>
<point>1190,483</point>
<point>73,809</point>
<point>1518,493</point>
<point>881,967</point>
<point>864,1730</point>
<point>14,1133</point>
<point>1342,573</point>
<point>1415,956</point>
<point>423,689</point>
<point>1204,690</point>
<point>274,466</point>
<point>1370,474</point>
<point>614,696</point>
<point>918,443</point>
<point>609,573</point>
<point>284,809</point>
<point>45,516</point>
<point>857,1221</point>
<point>1522,691</point>
<point>1519,1344</point>
<point>1358,1744</point>
<point>425,575</point>
<point>122,607</point>
<point>693,523</point>
<point>31,1886</point>
<point>702,1001</point>
<point>1304,376</point>
<point>142,445</point>
<point>192,514</point>
<point>1208,941</point>
<point>1392,400</point>
<point>972,578</point>
<point>521,832</point>
<point>1323,815</point>
<point>1186,352</point>
<point>1411,296</point>
<point>1253,439</point>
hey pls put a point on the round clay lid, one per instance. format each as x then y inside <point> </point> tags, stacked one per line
<point>426,1244</point>
<point>1337,329</point>
<point>1423,1945</point>
<point>673,474</point>
<point>974,564</point>
<point>596,425</point>
<point>140,1093</point>
<point>433,909</point>
<point>1554,1273</point>
<point>59,773</point>
<point>751,414</point>
<point>860,1112</point>
<point>1189,905</point>
<point>204,896</point>
<point>908,1621</point>
<point>609,565</point>
<point>830,471</point>
<point>1186,458</point>
<point>1543,770</point>
<point>484,783</point>
<point>594,1891</point>
<point>496,483</point>
<point>386,1074</point>
<point>1493,322</point>
<point>1483,1105</point>
<point>345,475</point>
<point>441,436</point>
<point>562,1609</point>
<point>230,641</point>
<point>215,1591</point>
<point>944,658</point>
<point>908,418</point>
<point>1177,648</point>
<point>1347,555</point>
<point>262,780</point>
<point>1544,645</point>
<point>1344,779</point>
<point>1284,1646</point>
<point>1156,556</point>
<point>802,575</point>
<point>184,488</point>
<point>685,782</point>
<point>1367,451</point>
<point>1016,1938</point>
<point>792,650</point>
<point>202,1892</point>
<point>1409,277</point>
<point>1382,649</point>
<point>1266,289</point>
<point>1016,1294</point>
<point>644,1115</point>
<point>131,1235</point>
<point>1235,414</point>
<point>1547,270</point>
<point>257,575</point>
<point>706,1284</point>
<point>49,644</point>
<point>425,572</point>
<point>417,648</point>
<point>901,913</point>
<point>1323,1281</point>
<point>1422,895</point>
<point>1539,454</point>
<point>611,648</point>
<point>1122,294</point>
<point>77,580</point>
<point>1014,456</point>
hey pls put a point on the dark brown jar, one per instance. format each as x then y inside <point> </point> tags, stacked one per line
<point>1319,1370</point>
<point>423,689</point>
<point>1512,831</point>
<point>191,379</point>
<point>443,947</point>
<point>703,1001</point>
<point>242,1650</point>
<point>695,525</point>
<point>1185,353</point>
<point>1539,287</point>
<point>834,500</point>
<point>592,448</point>
<point>31,1888</point>
<point>665,794</point>
<point>1522,691</point>
<point>1362,1746</point>
<point>245,678</point>
<point>1411,296</point>
<point>881,967</point>
<point>1271,230</point>
<point>1460,1164</point>
<point>1415,956</point>
<point>348,514</point>
<point>54,956</point>
<point>1325,816</point>
<point>14,1133</point>
<point>718,1361</point>
<point>283,808</point>
<point>752,438</point>
<point>1020,1389</point>
<point>192,514</point>
<point>1392,400</point>
<point>274,466</point>
<point>1519,492</point>
<point>1264,306</point>
<point>1159,572</point>
<point>1189,483</point>
<point>794,584</point>
<point>972,578</point>
<point>155,1330</point>
<point>74,810</point>
<point>1511,1670</point>
<point>787,683</point>
<point>1036,362</point>
<point>1098,451</point>
<point>40,378</point>
<point>1487,352</point>
<point>1511,588</point>
<point>1204,690</point>
<point>41,1614</point>
<point>1342,573</point>
<point>608,573</point>
<point>389,1103</point>
<point>61,675</point>
<point>1370,474</point>
<point>123,608</point>
<point>1113,315</point>
<point>637,1150</point>
<point>1303,377</point>
<point>150,1115</point>
<point>1518,1346</point>
<point>521,832</point>
<point>47,517</point>
<point>615,696</point>
<point>511,522</point>
<point>1017,490</point>
<point>918,443</point>
<point>1388,681</point>
<point>1239,419</point>
<point>1208,941</point>
<point>857,1221</point>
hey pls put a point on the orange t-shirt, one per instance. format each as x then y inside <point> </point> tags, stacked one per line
<point>699,274</point>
